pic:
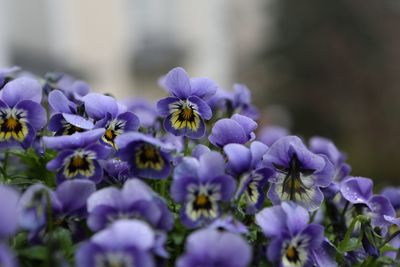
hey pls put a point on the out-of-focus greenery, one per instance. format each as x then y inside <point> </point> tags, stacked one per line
<point>336,66</point>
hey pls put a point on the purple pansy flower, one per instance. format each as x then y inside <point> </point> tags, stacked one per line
<point>21,114</point>
<point>246,163</point>
<point>116,171</point>
<point>393,194</point>
<point>271,133</point>
<point>293,240</point>
<point>358,191</point>
<point>229,223</point>
<point>67,119</point>
<point>200,185</point>
<point>78,155</point>
<point>146,155</point>
<point>110,115</point>
<point>238,129</point>
<point>145,111</point>
<point>208,247</point>
<point>299,173</point>
<point>125,243</point>
<point>242,102</point>
<point>7,257</point>
<point>320,145</point>
<point>6,73</point>
<point>69,199</point>
<point>8,211</point>
<point>134,200</point>
<point>186,110</point>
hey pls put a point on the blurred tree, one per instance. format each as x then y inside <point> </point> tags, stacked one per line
<point>335,66</point>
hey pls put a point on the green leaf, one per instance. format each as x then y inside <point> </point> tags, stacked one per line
<point>34,253</point>
<point>349,245</point>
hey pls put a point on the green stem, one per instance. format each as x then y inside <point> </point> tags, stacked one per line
<point>186,149</point>
<point>5,163</point>
<point>390,238</point>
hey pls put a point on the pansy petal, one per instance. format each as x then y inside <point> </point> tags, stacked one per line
<point>239,158</point>
<point>132,122</point>
<point>247,124</point>
<point>8,206</point>
<point>109,196</point>
<point>125,233</point>
<point>202,107</point>
<point>179,187</point>
<point>324,256</point>
<point>296,217</point>
<point>211,165</point>
<point>271,220</point>
<point>357,189</point>
<point>226,131</point>
<point>60,103</point>
<point>163,105</point>
<point>36,114</point>
<point>78,121</point>
<point>199,150</point>
<point>22,89</point>
<point>73,141</point>
<point>227,185</point>
<point>257,150</point>
<point>73,194</point>
<point>316,234</point>
<point>203,87</point>
<point>178,83</point>
<point>97,105</point>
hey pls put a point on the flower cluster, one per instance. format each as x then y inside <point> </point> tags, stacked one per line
<point>90,181</point>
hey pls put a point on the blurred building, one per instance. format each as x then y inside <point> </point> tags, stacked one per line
<point>123,46</point>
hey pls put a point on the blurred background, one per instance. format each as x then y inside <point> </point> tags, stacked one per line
<point>329,68</point>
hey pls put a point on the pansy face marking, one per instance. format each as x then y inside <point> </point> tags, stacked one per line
<point>184,114</point>
<point>13,124</point>
<point>113,129</point>
<point>202,201</point>
<point>81,162</point>
<point>294,252</point>
<point>297,181</point>
<point>69,129</point>
<point>148,157</point>
<point>114,259</point>
<point>252,190</point>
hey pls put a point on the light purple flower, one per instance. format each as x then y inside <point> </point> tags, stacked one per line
<point>21,114</point>
<point>299,173</point>
<point>110,115</point>
<point>320,145</point>
<point>200,185</point>
<point>271,133</point>
<point>8,211</point>
<point>78,156</point>
<point>208,247</point>
<point>245,163</point>
<point>293,240</point>
<point>147,156</point>
<point>238,129</point>
<point>7,257</point>
<point>125,243</point>
<point>67,118</point>
<point>186,110</point>
<point>134,201</point>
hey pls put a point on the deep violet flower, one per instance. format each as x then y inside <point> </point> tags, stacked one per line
<point>134,201</point>
<point>67,118</point>
<point>238,129</point>
<point>110,115</point>
<point>146,155</point>
<point>21,114</point>
<point>293,240</point>
<point>127,243</point>
<point>208,247</point>
<point>245,163</point>
<point>78,155</point>
<point>299,173</point>
<point>201,185</point>
<point>186,110</point>
<point>8,211</point>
